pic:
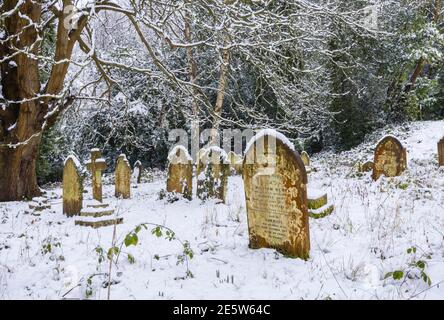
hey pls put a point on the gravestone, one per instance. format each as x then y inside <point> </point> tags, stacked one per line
<point>212,177</point>
<point>441,152</point>
<point>123,178</point>
<point>275,183</point>
<point>305,158</point>
<point>72,187</point>
<point>96,165</point>
<point>180,172</point>
<point>390,158</point>
<point>137,171</point>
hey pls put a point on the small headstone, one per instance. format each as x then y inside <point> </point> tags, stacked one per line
<point>96,164</point>
<point>305,158</point>
<point>390,158</point>
<point>213,178</point>
<point>275,183</point>
<point>137,171</point>
<point>180,172</point>
<point>123,178</point>
<point>72,187</point>
<point>441,152</point>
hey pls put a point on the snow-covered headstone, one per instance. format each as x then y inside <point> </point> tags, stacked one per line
<point>72,187</point>
<point>390,158</point>
<point>441,152</point>
<point>275,183</point>
<point>212,178</point>
<point>137,171</point>
<point>123,178</point>
<point>96,164</point>
<point>180,172</point>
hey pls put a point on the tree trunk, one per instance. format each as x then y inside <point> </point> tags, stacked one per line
<point>24,118</point>
<point>18,179</point>
<point>221,89</point>
<point>21,120</point>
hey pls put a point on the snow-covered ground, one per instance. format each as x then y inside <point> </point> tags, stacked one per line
<point>367,237</point>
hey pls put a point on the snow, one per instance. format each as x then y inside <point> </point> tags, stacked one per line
<point>184,153</point>
<point>367,236</point>
<point>74,159</point>
<point>272,133</point>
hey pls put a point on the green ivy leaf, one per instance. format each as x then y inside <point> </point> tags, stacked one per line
<point>131,259</point>
<point>398,275</point>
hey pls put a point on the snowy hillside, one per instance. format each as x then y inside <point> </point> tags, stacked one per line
<point>392,227</point>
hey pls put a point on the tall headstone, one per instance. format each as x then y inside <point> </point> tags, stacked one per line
<point>275,183</point>
<point>212,178</point>
<point>137,171</point>
<point>390,158</point>
<point>96,165</point>
<point>123,178</point>
<point>72,187</point>
<point>180,172</point>
<point>441,152</point>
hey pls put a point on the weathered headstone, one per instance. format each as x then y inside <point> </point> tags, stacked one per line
<point>305,158</point>
<point>180,172</point>
<point>275,183</point>
<point>441,152</point>
<point>137,171</point>
<point>123,178</point>
<point>212,178</point>
<point>390,158</point>
<point>96,165</point>
<point>72,187</point>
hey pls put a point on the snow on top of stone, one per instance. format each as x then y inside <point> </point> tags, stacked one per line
<point>388,136</point>
<point>272,133</point>
<point>183,150</point>
<point>222,152</point>
<point>95,149</point>
<point>314,193</point>
<point>74,159</point>
<point>138,163</point>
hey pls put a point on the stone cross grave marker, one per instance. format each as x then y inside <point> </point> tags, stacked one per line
<point>72,187</point>
<point>123,178</point>
<point>390,158</point>
<point>96,165</point>
<point>275,183</point>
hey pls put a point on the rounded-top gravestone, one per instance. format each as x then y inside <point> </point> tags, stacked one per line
<point>275,183</point>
